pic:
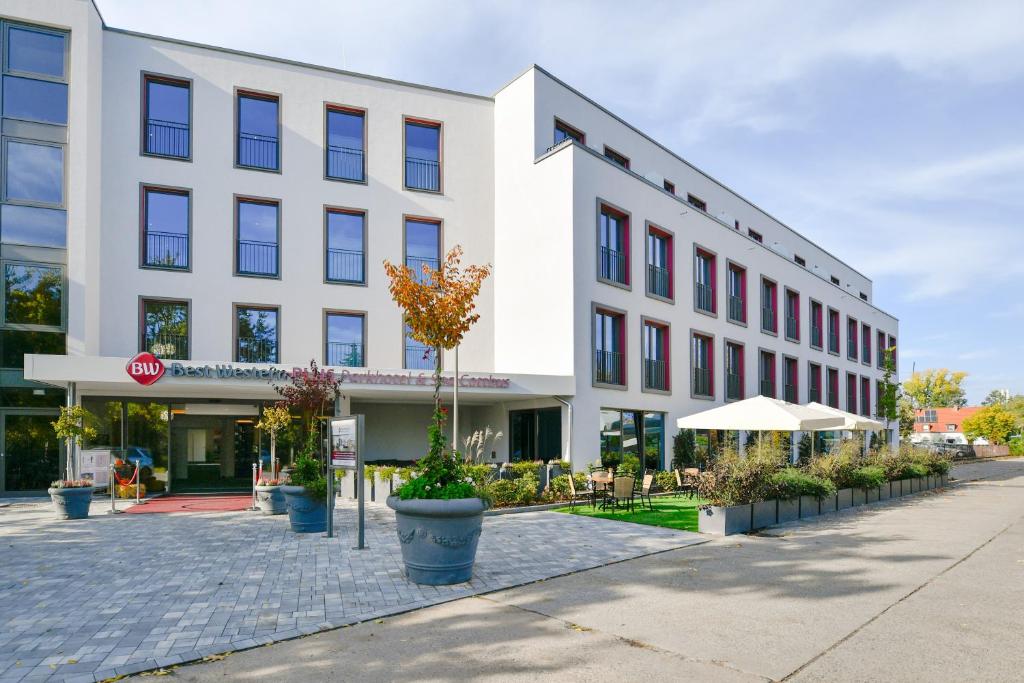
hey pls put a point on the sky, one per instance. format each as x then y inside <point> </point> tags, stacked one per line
<point>891,133</point>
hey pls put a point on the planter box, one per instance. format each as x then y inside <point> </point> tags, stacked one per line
<point>915,485</point>
<point>884,491</point>
<point>829,504</point>
<point>944,480</point>
<point>724,520</point>
<point>844,499</point>
<point>810,506</point>
<point>765,513</point>
<point>871,495</point>
<point>789,510</point>
<point>933,481</point>
<point>906,486</point>
<point>859,497</point>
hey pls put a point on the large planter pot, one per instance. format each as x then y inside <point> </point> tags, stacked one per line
<point>844,499</point>
<point>270,500</point>
<point>944,480</point>
<point>306,514</point>
<point>871,495</point>
<point>438,538</point>
<point>723,521</point>
<point>885,491</point>
<point>765,513</point>
<point>810,506</point>
<point>906,488</point>
<point>789,510</point>
<point>71,503</point>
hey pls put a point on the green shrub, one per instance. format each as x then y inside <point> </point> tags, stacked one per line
<point>519,491</point>
<point>916,469</point>
<point>665,481</point>
<point>580,480</point>
<point>837,467</point>
<point>736,480</point>
<point>307,472</point>
<point>559,487</point>
<point>868,477</point>
<point>629,467</point>
<point>480,474</point>
<point>520,469</point>
<point>792,482</point>
<point>1017,445</point>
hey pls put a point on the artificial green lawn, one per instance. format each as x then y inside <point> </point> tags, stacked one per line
<point>669,511</point>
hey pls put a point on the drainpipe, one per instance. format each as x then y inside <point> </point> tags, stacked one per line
<point>568,441</point>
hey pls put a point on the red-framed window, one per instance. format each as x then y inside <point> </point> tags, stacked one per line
<point>832,375</point>
<point>791,375</point>
<point>660,273</point>
<point>656,356</point>
<point>865,397</point>
<point>703,363</point>
<point>880,348</point>
<point>892,349</point>
<point>734,372</point>
<point>833,331</point>
<point>704,281</point>
<point>755,235</point>
<point>609,347</point>
<point>737,293</point>
<point>563,131</point>
<point>613,245</point>
<point>766,373</point>
<point>813,383</point>
<point>669,186</point>
<point>769,306</point>
<point>851,338</point>
<point>865,343</point>
<point>620,159</point>
<point>792,315</point>
<point>817,324</point>
<point>851,393</point>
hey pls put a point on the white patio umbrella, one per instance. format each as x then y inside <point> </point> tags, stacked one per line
<point>762,414</point>
<point>851,421</point>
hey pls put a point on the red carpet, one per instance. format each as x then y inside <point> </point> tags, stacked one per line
<point>193,503</point>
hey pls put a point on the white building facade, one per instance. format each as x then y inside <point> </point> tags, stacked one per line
<point>231,211</point>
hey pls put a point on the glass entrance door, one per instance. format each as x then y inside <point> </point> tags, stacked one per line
<point>536,434</point>
<point>31,454</point>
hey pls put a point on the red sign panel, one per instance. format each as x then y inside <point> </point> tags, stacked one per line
<point>145,368</point>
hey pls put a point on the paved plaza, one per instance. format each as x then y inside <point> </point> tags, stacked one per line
<point>110,595</point>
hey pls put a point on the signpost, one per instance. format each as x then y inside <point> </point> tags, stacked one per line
<point>347,454</point>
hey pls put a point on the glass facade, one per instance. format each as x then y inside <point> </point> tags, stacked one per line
<point>633,434</point>
<point>345,343</point>
<point>165,331</point>
<point>256,335</point>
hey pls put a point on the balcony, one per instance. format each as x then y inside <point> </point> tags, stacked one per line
<point>814,395</point>
<point>344,354</point>
<point>345,163</point>
<point>613,265</point>
<point>702,382</point>
<point>737,309</point>
<point>166,250</point>
<point>257,258</point>
<point>789,393</point>
<point>257,151</point>
<point>655,374</point>
<point>704,297</point>
<point>608,367</point>
<point>168,346</point>
<point>815,335</point>
<point>792,328</point>
<point>733,386</point>
<point>422,174</point>
<point>658,281</point>
<point>167,138</point>
<point>767,387</point>
<point>767,319</point>
<point>419,357</point>
<point>256,350</point>
<point>344,265</point>
<point>417,263</point>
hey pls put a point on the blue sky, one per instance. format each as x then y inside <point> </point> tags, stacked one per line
<point>892,133</point>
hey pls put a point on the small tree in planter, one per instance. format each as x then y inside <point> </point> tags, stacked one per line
<point>269,496</point>
<point>71,497</point>
<point>440,511</point>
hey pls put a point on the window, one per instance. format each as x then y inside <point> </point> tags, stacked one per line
<point>766,373</point>
<point>813,383</point>
<point>35,75</point>
<point>851,393</point>
<point>613,246</point>
<point>800,261</point>
<point>345,339</point>
<point>928,416</point>
<point>33,173</point>
<point>609,347</point>
<point>659,263</point>
<point>634,433</point>
<point>346,144</point>
<point>792,381</point>
<point>422,155</point>
<point>656,356</point>
<point>734,389</point>
<point>346,252</point>
<point>834,280</point>
<point>166,219</point>
<point>792,315</point>
<point>833,387</point>
<point>737,285</point>
<point>669,186</point>
<point>166,117</point>
<point>165,331</point>
<point>880,350</point>
<point>864,296</point>
<point>256,334</point>
<point>417,356</point>
<point>258,126</point>
<point>833,331</point>
<point>769,306</point>
<point>816,324</point>
<point>563,131</point>
<point>703,365</point>
<point>422,245</point>
<point>258,231</point>
<point>736,224</point>
<point>615,157</point>
<point>33,226</point>
<point>865,396</point>
<point>755,235</point>
<point>865,344</point>
<point>704,294</point>
<point>33,296</point>
<point>892,350</point>
<point>851,338</point>
<point>950,427</point>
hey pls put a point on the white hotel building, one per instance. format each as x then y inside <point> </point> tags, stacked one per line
<point>221,208</point>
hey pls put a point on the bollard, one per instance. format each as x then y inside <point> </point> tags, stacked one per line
<point>253,508</point>
<point>138,484</point>
<point>112,489</point>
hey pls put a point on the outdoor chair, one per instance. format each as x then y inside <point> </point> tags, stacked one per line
<point>575,495</point>
<point>691,475</point>
<point>622,493</point>
<point>645,491</point>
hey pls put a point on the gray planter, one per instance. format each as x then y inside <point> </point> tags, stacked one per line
<point>789,510</point>
<point>915,485</point>
<point>884,491</point>
<point>844,499</point>
<point>809,507</point>
<point>859,497</point>
<point>724,520</point>
<point>306,514</point>
<point>765,513</point>
<point>871,495</point>
<point>72,503</point>
<point>932,482</point>
<point>438,538</point>
<point>906,487</point>
<point>270,500</point>
<point>944,480</point>
<point>828,504</point>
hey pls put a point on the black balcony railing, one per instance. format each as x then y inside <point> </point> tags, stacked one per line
<point>655,374</point>
<point>865,353</point>
<point>702,381</point>
<point>833,342</point>
<point>767,388</point>
<point>257,151</point>
<point>416,264</point>
<point>814,395</point>
<point>419,357</point>
<point>658,280</point>
<point>833,400</point>
<point>167,138</point>
<point>257,258</point>
<point>344,354</point>
<point>733,386</point>
<point>815,336</point>
<point>422,174</point>
<point>737,311</point>
<point>790,393</point>
<point>767,319</point>
<point>168,346</point>
<point>704,297</point>
<point>345,265</point>
<point>166,249</point>
<point>851,349</point>
<point>608,367</point>
<point>613,264</point>
<point>345,163</point>
<point>792,327</point>
<point>256,350</point>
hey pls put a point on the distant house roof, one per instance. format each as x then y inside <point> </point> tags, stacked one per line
<point>939,419</point>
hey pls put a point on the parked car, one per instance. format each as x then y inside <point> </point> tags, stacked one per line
<point>136,454</point>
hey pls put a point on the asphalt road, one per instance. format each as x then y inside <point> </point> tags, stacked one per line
<point>928,588</point>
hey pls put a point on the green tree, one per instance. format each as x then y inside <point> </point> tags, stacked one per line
<point>905,409</point>
<point>995,424</point>
<point>889,389</point>
<point>936,388</point>
<point>684,449</point>
<point>996,397</point>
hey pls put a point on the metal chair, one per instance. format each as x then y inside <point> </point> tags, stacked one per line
<point>691,475</point>
<point>645,491</point>
<point>622,493</point>
<point>575,495</point>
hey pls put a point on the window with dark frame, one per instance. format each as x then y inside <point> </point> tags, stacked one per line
<point>833,331</point>
<point>422,155</point>
<point>167,117</point>
<point>755,235</point>
<point>704,286</point>
<point>422,245</point>
<point>563,131</point>
<point>35,82</point>
<point>259,228</point>
<point>851,393</point>
<point>832,377</point>
<point>256,334</point>
<point>656,356</point>
<point>817,320</point>
<point>258,131</point>
<point>865,397</point>
<point>345,345</point>
<point>800,261</point>
<point>613,245</point>
<point>791,377</point>
<point>345,156</point>
<point>834,280</point>
<point>669,186</point>
<point>766,373</point>
<point>792,315</point>
<point>737,293</point>
<point>417,355</point>
<point>865,343</point>
<point>851,338</point>
<point>345,249</point>
<point>702,354</point>
<point>165,331</point>
<point>696,202</point>
<point>609,347</point>
<point>734,389</point>
<point>769,306</point>
<point>615,157</point>
<point>881,349</point>
<point>166,218</point>
<point>659,263</point>
<point>814,383</point>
